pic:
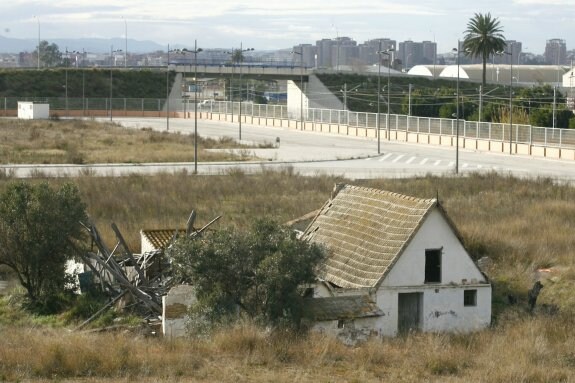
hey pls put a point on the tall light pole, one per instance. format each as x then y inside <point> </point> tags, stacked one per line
<point>83,83</point>
<point>112,59</point>
<point>195,52</point>
<point>378,98</point>
<point>66,77</point>
<point>241,59</point>
<point>168,91</point>
<point>388,53</point>
<point>300,53</point>
<point>456,50</point>
<point>38,19</point>
<point>126,43</point>
<point>231,103</point>
<point>111,79</point>
<point>510,54</point>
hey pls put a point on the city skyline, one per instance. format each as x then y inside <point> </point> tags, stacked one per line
<point>276,25</point>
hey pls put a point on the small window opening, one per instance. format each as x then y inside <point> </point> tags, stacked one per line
<point>470,298</point>
<point>433,266</point>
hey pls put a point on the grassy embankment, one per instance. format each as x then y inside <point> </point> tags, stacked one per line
<point>89,142</point>
<point>521,225</point>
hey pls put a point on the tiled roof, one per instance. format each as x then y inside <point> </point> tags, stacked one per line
<point>161,238</point>
<point>365,230</point>
<point>341,307</point>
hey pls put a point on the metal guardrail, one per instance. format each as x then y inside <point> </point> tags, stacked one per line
<point>522,134</point>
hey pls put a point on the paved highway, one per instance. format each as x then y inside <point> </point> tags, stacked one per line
<point>311,153</point>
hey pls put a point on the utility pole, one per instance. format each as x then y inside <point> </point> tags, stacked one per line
<point>409,108</point>
<point>554,107</point>
<point>480,101</point>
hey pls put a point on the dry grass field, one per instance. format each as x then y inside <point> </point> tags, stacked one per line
<point>88,142</point>
<point>521,225</point>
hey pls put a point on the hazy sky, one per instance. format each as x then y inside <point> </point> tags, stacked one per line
<point>273,24</point>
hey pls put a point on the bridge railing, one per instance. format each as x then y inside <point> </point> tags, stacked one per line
<point>524,134</point>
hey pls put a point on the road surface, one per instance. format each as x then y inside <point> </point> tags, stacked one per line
<point>312,153</point>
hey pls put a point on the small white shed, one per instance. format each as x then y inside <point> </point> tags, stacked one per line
<point>406,255</point>
<point>31,111</point>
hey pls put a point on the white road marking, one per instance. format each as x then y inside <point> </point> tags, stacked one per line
<point>398,158</point>
<point>424,161</point>
<point>410,160</point>
<point>437,162</point>
<point>385,157</point>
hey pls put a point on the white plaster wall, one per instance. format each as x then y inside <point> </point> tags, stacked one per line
<point>386,300</point>
<point>28,110</point>
<point>321,291</point>
<point>443,308</point>
<point>442,311</point>
<point>295,98</point>
<point>354,331</point>
<point>145,245</point>
<point>456,265</point>
<point>174,307</point>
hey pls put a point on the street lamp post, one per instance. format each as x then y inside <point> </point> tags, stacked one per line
<point>126,43</point>
<point>66,80</point>
<point>241,59</point>
<point>83,82</point>
<point>386,52</point>
<point>378,97</point>
<point>511,102</point>
<point>195,52</point>
<point>300,53</point>
<point>111,79</point>
<point>38,19</point>
<point>231,103</point>
<point>510,54</point>
<point>168,90</point>
<point>456,50</point>
<point>112,59</point>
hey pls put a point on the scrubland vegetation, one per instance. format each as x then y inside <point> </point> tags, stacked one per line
<point>89,142</point>
<point>521,225</point>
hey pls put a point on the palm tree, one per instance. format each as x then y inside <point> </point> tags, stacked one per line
<point>483,38</point>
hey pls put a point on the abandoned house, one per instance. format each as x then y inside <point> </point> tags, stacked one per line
<point>396,263</point>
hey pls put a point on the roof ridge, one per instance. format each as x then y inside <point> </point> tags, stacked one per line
<point>389,192</point>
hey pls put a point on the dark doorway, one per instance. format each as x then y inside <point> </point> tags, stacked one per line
<point>409,312</point>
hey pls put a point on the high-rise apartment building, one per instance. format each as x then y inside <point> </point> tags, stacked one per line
<point>308,55</point>
<point>416,53</point>
<point>368,50</point>
<point>323,50</point>
<point>556,52</point>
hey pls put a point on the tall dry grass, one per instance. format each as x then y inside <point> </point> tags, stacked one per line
<point>520,224</point>
<point>531,349</point>
<point>88,142</point>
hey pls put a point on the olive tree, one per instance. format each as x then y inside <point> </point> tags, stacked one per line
<point>259,273</point>
<point>39,229</point>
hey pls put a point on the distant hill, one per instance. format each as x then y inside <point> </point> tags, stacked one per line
<point>94,45</point>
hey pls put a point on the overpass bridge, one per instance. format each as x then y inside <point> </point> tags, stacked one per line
<point>253,71</point>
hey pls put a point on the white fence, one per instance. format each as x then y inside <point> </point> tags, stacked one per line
<point>521,134</point>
